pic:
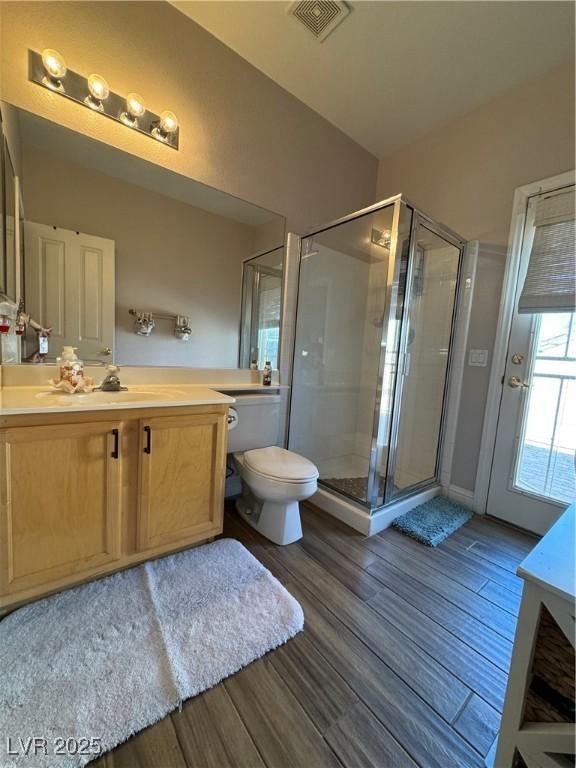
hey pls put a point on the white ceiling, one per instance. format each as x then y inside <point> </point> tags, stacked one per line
<point>393,71</point>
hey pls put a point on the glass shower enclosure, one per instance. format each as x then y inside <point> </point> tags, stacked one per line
<point>374,322</point>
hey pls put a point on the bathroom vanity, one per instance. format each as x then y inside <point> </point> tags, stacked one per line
<point>90,487</point>
<point>96,482</point>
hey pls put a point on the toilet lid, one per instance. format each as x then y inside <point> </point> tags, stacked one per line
<point>280,464</point>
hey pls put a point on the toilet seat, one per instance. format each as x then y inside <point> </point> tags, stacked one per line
<point>276,463</point>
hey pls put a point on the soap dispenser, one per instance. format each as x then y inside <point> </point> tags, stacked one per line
<point>70,367</point>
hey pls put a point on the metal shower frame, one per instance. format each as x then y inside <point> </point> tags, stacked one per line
<point>398,298</point>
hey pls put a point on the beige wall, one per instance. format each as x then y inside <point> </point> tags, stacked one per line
<point>171,258</point>
<point>240,131</point>
<point>464,174</point>
<point>483,322</point>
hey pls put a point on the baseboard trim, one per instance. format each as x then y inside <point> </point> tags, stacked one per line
<point>461,496</point>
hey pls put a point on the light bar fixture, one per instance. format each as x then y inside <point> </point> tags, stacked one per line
<point>49,70</point>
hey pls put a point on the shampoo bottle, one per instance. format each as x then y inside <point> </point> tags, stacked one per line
<point>267,377</point>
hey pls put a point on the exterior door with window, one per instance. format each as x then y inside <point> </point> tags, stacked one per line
<point>533,476</point>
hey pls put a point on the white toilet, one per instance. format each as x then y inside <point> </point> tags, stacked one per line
<point>274,480</point>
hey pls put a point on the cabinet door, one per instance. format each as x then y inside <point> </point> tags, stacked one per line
<point>59,502</point>
<point>182,472</point>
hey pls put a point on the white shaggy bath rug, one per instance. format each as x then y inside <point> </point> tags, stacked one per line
<point>104,660</point>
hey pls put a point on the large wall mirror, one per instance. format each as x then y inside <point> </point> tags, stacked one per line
<point>11,256</point>
<point>135,264</point>
<point>2,218</point>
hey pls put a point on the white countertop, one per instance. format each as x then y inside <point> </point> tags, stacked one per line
<point>29,400</point>
<point>239,387</point>
<point>552,562</point>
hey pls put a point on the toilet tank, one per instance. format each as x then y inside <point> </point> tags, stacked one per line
<point>254,422</point>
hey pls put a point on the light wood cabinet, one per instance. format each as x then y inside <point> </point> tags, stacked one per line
<point>60,502</point>
<point>84,494</point>
<point>179,459</point>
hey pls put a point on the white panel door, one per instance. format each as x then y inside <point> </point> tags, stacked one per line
<point>533,476</point>
<point>69,280</point>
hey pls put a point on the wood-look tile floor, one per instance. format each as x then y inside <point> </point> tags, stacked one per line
<point>402,662</point>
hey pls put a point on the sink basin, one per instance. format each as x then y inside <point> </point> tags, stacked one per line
<point>107,398</point>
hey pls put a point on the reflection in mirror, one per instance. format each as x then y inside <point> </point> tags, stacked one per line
<point>261,301</point>
<point>10,224</point>
<point>2,243</point>
<point>107,232</point>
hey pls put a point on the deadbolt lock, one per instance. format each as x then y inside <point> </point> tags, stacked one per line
<point>517,359</point>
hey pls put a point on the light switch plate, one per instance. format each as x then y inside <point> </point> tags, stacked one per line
<point>478,358</point>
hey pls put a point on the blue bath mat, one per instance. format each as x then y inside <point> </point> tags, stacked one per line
<point>433,521</point>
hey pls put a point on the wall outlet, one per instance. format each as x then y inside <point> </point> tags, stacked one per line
<point>478,358</point>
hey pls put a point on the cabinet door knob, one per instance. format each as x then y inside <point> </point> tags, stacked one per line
<point>148,446</point>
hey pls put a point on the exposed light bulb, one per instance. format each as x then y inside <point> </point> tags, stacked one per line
<point>135,105</point>
<point>54,63</point>
<point>55,68</point>
<point>98,87</point>
<point>99,91</point>
<point>134,109</point>
<point>168,122</point>
<point>166,126</point>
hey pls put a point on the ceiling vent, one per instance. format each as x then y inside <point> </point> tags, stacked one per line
<point>320,18</point>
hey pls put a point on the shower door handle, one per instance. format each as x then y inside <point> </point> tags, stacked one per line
<point>406,364</point>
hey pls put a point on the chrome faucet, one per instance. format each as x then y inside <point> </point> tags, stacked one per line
<point>111,382</point>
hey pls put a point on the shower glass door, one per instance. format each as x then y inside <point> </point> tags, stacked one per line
<point>423,369</point>
<point>341,313</point>
<point>375,307</point>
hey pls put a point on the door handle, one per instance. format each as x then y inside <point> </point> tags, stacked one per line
<point>516,383</point>
<point>116,450</point>
<point>148,446</point>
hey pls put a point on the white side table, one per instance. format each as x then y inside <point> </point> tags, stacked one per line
<point>549,583</point>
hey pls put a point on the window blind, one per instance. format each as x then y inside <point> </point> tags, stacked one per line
<point>550,284</point>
